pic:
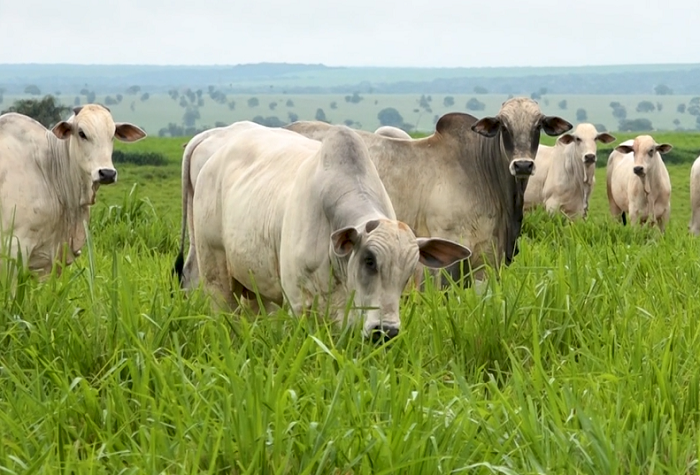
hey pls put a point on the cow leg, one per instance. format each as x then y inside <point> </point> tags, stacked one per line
<point>216,280</point>
<point>617,212</point>
<point>190,271</point>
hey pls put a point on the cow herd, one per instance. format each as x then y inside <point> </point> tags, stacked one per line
<point>313,214</point>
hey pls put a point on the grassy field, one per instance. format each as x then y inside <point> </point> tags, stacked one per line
<point>159,110</point>
<point>582,359</point>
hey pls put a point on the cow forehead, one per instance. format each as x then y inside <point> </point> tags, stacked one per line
<point>586,131</point>
<point>390,235</point>
<point>520,114</point>
<point>643,143</point>
<point>95,118</point>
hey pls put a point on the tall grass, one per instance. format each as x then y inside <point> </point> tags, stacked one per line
<point>581,357</point>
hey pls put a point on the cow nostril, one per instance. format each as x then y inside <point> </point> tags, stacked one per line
<point>589,158</point>
<point>638,170</point>
<point>524,166</point>
<point>383,333</point>
<point>107,175</point>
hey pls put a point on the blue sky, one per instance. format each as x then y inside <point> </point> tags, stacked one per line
<point>441,33</point>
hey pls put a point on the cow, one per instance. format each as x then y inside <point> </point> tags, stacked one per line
<point>49,180</point>
<point>566,172</point>
<point>694,226</point>
<point>292,219</point>
<point>465,182</point>
<point>638,182</point>
<point>394,132</point>
<point>196,153</point>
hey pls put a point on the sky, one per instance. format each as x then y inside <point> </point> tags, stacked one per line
<point>406,33</point>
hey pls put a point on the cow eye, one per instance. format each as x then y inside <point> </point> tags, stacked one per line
<point>578,139</point>
<point>370,262</point>
<point>81,134</point>
<point>651,152</point>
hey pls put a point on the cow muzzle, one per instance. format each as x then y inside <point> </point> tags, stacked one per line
<point>106,176</point>
<point>639,171</point>
<point>522,167</point>
<point>589,158</point>
<point>383,332</point>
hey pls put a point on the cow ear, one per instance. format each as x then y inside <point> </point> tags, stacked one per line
<point>565,139</point>
<point>77,109</point>
<point>663,148</point>
<point>128,132</point>
<point>488,126</point>
<point>624,149</point>
<point>553,125</point>
<point>62,130</point>
<point>344,240</point>
<point>605,137</point>
<point>437,253</point>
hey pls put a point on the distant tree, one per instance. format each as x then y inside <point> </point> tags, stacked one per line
<point>663,90</point>
<point>76,101</point>
<point>231,105</point>
<point>535,95</point>
<point>292,116</point>
<point>145,96</point>
<point>174,94</point>
<point>424,103</point>
<point>133,90</point>
<point>110,101</point>
<point>600,128</point>
<point>448,101</point>
<point>581,115</point>
<point>620,112</point>
<point>416,111</point>
<point>676,122</point>
<point>697,122</point>
<point>199,93</point>
<point>391,116</point>
<point>635,125</point>
<point>348,122</point>
<point>253,102</point>
<point>354,99</point>
<point>694,106</point>
<point>480,90</point>
<point>91,97</point>
<point>681,108</point>
<point>615,104</point>
<point>334,105</point>
<point>271,121</point>
<point>475,104</point>
<point>183,101</point>
<point>56,93</point>
<point>659,106</point>
<point>563,104</point>
<point>47,110</point>
<point>32,89</point>
<point>191,116</point>
<point>132,106</point>
<point>191,96</point>
<point>272,105</point>
<point>200,101</point>
<point>645,106</point>
<point>376,101</point>
<point>290,103</point>
<point>119,98</point>
<point>320,115</point>
<point>219,123</point>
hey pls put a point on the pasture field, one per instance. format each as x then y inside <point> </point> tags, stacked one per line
<point>160,110</point>
<point>582,358</point>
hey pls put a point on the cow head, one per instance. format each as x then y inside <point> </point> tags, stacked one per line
<point>646,153</point>
<point>583,139</point>
<point>90,132</point>
<point>381,256</point>
<point>519,122</point>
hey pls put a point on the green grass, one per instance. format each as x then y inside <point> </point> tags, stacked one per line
<point>582,359</point>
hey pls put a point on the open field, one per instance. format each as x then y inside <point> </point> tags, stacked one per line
<point>583,358</point>
<point>160,110</point>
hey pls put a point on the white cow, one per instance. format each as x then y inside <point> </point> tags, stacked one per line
<point>49,179</point>
<point>296,219</point>
<point>638,182</point>
<point>197,151</point>
<point>694,226</point>
<point>393,132</point>
<point>565,173</point>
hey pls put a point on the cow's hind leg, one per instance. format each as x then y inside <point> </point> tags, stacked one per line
<point>215,278</point>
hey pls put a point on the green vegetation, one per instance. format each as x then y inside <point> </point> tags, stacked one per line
<point>582,358</point>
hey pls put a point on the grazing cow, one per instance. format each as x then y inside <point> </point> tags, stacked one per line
<point>49,179</point>
<point>197,151</point>
<point>394,132</point>
<point>297,219</point>
<point>464,186</point>
<point>565,173</point>
<point>638,182</point>
<point>694,226</point>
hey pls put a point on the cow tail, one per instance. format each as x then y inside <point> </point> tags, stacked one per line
<point>187,194</point>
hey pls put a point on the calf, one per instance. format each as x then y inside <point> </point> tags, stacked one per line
<point>638,182</point>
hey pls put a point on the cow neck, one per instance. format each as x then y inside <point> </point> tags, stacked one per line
<point>509,191</point>
<point>72,186</point>
<point>574,168</point>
